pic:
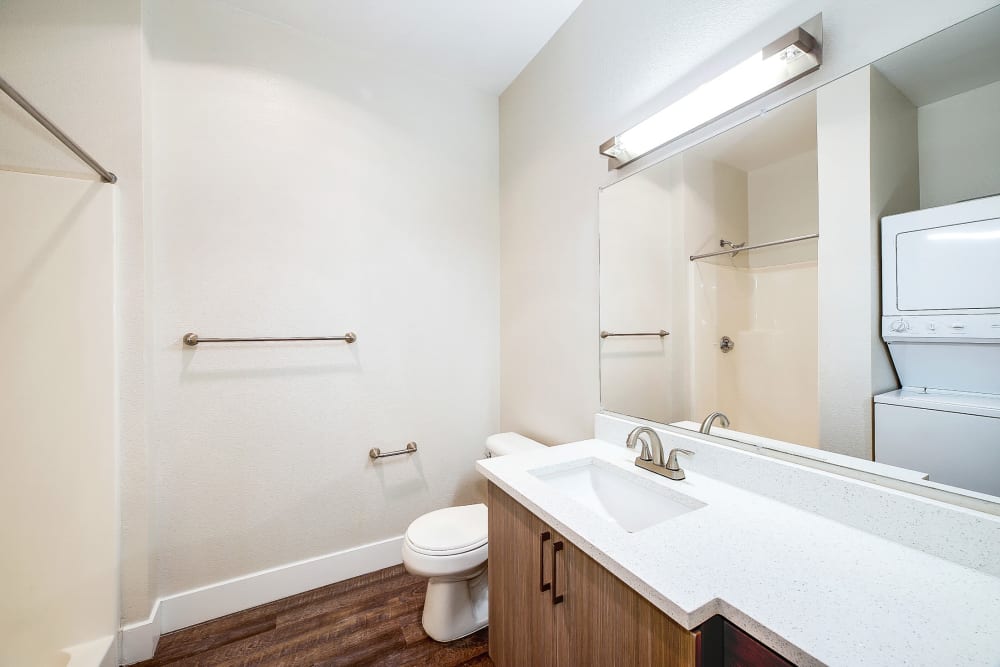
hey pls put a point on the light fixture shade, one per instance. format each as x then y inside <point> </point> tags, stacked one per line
<point>781,62</point>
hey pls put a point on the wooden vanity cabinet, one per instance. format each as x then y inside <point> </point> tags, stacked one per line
<point>551,604</point>
<point>522,623</point>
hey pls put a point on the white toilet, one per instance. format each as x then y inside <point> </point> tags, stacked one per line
<point>450,546</point>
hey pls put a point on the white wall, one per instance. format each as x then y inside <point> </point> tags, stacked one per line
<point>584,87</point>
<point>867,169</point>
<point>58,481</point>
<point>959,144</point>
<point>300,190</point>
<point>844,116</point>
<point>644,376</point>
<point>715,207</point>
<point>775,385</point>
<point>78,61</point>
<point>895,188</point>
<point>782,204</point>
<point>777,359</point>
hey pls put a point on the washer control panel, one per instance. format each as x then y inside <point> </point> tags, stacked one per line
<point>915,327</point>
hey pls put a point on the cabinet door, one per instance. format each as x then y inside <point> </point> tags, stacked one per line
<point>521,613</point>
<point>742,650</point>
<point>725,645</point>
<point>602,621</point>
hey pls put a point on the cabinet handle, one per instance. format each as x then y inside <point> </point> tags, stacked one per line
<point>546,536</point>
<point>556,548</point>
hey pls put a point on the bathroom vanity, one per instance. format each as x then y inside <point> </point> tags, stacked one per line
<point>552,604</point>
<point>749,560</point>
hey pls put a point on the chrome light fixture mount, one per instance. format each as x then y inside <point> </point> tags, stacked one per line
<point>788,58</point>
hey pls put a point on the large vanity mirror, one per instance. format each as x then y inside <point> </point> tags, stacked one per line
<point>774,274</point>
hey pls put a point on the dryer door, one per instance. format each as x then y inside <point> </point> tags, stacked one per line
<point>953,267</point>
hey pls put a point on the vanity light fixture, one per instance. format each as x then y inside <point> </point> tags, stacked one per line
<point>781,62</point>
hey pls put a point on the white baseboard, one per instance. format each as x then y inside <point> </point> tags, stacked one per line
<point>138,640</point>
<point>226,597</point>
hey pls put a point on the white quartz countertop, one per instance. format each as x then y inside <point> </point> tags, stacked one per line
<point>814,590</point>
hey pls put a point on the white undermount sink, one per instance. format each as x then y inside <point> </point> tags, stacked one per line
<point>619,496</point>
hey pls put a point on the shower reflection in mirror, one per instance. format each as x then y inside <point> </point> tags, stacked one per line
<point>768,252</point>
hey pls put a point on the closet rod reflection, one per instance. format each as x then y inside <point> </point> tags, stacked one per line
<point>661,333</point>
<point>734,251</point>
<point>193,339</point>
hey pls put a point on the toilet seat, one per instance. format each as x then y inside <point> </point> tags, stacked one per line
<point>454,567</point>
<point>450,531</point>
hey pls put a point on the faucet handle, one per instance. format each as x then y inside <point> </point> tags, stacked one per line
<point>672,458</point>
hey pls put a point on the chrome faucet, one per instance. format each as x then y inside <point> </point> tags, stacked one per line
<point>652,459</point>
<point>706,425</point>
<point>656,455</point>
<point>673,470</point>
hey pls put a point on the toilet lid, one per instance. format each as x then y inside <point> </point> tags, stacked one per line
<point>450,531</point>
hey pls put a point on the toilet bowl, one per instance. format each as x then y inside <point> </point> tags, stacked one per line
<point>450,547</point>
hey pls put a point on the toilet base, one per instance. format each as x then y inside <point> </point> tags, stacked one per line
<point>456,607</point>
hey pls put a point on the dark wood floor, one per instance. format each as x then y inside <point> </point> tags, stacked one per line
<point>370,620</point>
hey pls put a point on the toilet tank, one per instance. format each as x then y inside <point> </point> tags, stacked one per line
<point>501,444</point>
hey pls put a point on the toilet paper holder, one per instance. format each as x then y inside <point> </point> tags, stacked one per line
<point>376,453</point>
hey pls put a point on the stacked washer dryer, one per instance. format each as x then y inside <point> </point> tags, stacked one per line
<point>941,320</point>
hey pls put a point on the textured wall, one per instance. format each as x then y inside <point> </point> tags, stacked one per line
<point>298,190</point>
<point>608,67</point>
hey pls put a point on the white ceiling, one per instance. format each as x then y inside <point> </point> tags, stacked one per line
<point>483,43</point>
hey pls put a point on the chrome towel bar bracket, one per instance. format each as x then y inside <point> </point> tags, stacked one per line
<point>661,333</point>
<point>193,339</point>
<point>376,453</point>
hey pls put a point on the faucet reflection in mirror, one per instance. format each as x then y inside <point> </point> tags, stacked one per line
<point>706,426</point>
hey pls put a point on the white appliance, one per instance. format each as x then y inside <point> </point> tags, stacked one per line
<point>941,320</point>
